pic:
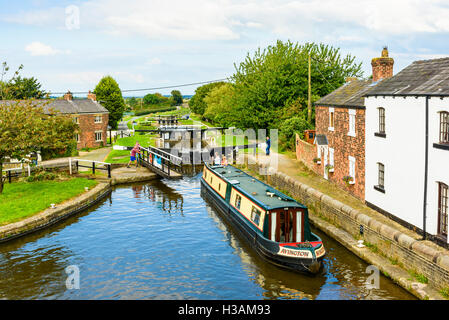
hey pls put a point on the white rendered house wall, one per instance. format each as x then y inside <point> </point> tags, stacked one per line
<point>401,152</point>
<point>438,162</point>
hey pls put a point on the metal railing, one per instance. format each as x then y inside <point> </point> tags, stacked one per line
<point>93,166</point>
<point>160,160</point>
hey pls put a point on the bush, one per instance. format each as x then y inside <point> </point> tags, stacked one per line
<point>154,110</point>
<point>289,128</point>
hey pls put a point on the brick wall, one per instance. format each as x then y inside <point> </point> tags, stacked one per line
<point>344,146</point>
<point>306,152</point>
<point>88,127</point>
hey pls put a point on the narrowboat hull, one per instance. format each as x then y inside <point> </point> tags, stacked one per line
<point>271,251</point>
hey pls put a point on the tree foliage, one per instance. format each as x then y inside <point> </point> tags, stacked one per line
<point>177,97</point>
<point>197,103</point>
<point>277,77</point>
<point>288,129</point>
<point>110,96</point>
<point>17,87</point>
<point>24,129</point>
<point>219,105</point>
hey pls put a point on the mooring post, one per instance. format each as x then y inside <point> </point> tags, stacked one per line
<point>109,171</point>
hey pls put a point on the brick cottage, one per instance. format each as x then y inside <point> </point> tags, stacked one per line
<point>91,117</point>
<point>339,150</point>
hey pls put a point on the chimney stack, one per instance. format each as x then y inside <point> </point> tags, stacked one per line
<point>68,96</point>
<point>92,96</point>
<point>383,66</point>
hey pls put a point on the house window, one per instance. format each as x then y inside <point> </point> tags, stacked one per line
<point>381,175</point>
<point>98,119</point>
<point>352,168</point>
<point>98,136</point>
<point>331,119</point>
<point>76,120</point>
<point>238,201</point>
<point>77,137</point>
<point>444,127</point>
<point>442,208</point>
<point>255,215</point>
<point>351,123</point>
<point>381,120</point>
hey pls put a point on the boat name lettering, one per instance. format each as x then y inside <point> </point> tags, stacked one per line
<point>293,253</point>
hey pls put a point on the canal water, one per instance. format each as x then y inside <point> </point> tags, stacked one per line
<point>161,240</point>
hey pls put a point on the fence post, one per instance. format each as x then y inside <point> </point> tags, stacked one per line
<point>29,170</point>
<point>77,166</point>
<point>109,171</point>
<point>93,167</point>
<point>9,176</point>
<point>70,166</point>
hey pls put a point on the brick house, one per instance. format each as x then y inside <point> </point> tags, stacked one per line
<point>91,117</point>
<point>339,149</point>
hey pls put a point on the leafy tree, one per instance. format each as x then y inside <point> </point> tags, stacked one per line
<point>17,87</point>
<point>274,78</point>
<point>24,129</point>
<point>110,96</point>
<point>132,102</point>
<point>289,128</point>
<point>25,88</point>
<point>197,103</point>
<point>177,97</point>
<point>219,103</point>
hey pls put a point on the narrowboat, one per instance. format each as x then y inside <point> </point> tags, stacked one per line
<point>275,225</point>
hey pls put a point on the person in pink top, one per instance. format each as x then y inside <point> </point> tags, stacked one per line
<point>134,151</point>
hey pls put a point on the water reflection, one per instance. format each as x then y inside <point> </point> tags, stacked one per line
<point>161,240</point>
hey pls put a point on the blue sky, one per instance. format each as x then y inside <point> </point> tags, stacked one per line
<point>70,45</point>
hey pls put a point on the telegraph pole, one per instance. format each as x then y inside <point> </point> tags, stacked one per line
<point>309,102</point>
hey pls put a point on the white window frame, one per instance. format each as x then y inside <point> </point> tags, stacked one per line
<point>98,117</point>
<point>331,116</point>
<point>352,122</point>
<point>76,120</point>
<point>77,137</point>
<point>101,136</point>
<point>352,164</point>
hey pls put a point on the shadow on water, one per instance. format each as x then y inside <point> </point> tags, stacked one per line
<point>161,240</point>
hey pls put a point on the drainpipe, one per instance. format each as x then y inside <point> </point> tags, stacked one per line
<point>426,166</point>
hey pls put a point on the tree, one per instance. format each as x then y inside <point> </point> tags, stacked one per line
<point>219,103</point>
<point>177,97</point>
<point>289,128</point>
<point>110,96</point>
<point>197,103</point>
<point>274,78</point>
<point>24,88</point>
<point>24,129</point>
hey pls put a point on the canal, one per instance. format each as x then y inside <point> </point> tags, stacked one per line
<point>161,240</point>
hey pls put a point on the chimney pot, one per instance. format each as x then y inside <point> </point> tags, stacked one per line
<point>68,96</point>
<point>92,96</point>
<point>382,66</point>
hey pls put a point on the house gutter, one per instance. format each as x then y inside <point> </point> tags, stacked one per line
<point>426,168</point>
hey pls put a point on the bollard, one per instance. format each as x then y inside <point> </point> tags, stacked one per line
<point>109,171</point>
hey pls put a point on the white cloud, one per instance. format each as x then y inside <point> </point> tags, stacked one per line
<point>37,48</point>
<point>227,19</point>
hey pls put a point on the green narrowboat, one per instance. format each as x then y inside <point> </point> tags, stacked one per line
<point>275,225</point>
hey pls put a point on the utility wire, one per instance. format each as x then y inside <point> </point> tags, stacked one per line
<point>155,88</point>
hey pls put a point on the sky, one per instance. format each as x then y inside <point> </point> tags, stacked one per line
<point>71,45</point>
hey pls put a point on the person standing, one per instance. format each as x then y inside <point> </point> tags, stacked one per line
<point>267,150</point>
<point>134,151</point>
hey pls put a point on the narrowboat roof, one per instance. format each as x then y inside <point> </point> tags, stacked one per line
<point>264,195</point>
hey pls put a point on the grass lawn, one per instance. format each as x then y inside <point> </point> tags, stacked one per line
<point>22,199</point>
<point>122,156</point>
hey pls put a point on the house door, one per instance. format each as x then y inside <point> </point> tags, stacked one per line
<point>325,162</point>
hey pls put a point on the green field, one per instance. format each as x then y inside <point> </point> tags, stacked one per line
<point>23,199</point>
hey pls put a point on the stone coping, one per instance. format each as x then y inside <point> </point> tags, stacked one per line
<point>50,216</point>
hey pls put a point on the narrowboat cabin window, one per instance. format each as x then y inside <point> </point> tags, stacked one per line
<point>255,215</point>
<point>238,201</point>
